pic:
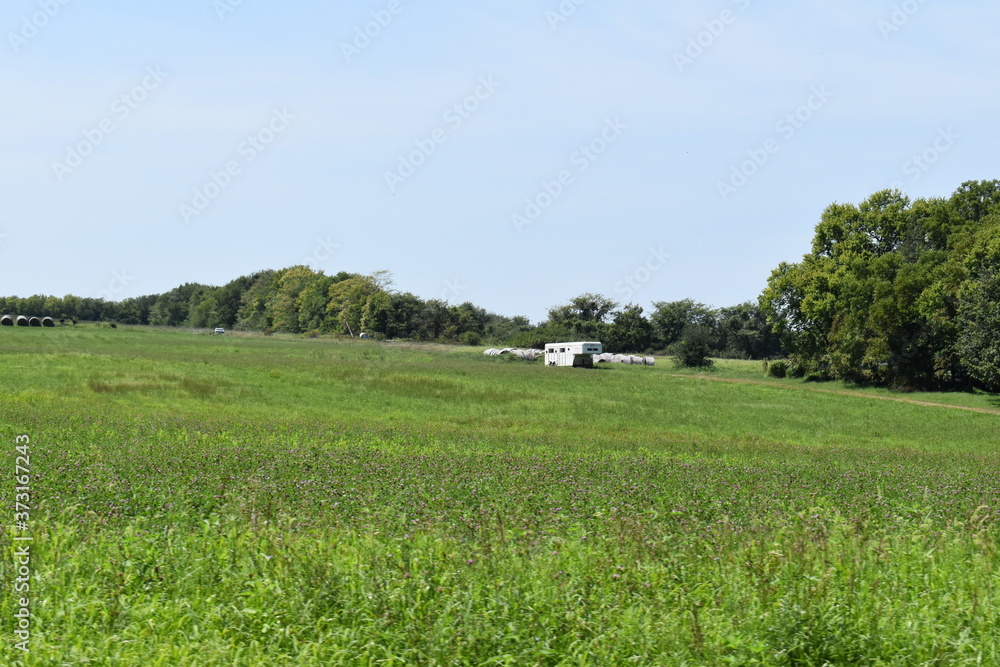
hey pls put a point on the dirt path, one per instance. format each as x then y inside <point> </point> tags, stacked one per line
<point>841,392</point>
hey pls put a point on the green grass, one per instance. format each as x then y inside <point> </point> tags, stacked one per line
<point>202,500</point>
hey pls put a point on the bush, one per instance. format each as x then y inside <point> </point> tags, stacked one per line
<point>778,368</point>
<point>471,338</point>
<point>692,350</point>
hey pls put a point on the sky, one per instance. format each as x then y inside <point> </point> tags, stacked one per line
<point>513,154</point>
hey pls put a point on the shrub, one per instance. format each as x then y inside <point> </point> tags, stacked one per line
<point>693,348</point>
<point>778,368</point>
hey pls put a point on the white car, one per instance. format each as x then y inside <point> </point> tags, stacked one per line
<point>219,330</point>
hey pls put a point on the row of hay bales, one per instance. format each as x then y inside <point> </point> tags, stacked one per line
<point>631,359</point>
<point>526,355</point>
<point>22,321</point>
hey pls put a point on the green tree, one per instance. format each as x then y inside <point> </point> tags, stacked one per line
<point>313,298</point>
<point>204,310</point>
<point>285,304</point>
<point>255,312</point>
<point>171,308</point>
<point>375,316</point>
<point>979,310</point>
<point>742,331</point>
<point>346,305</point>
<point>432,320</point>
<point>229,299</point>
<point>503,329</point>
<point>404,309</point>
<point>670,318</point>
<point>466,318</point>
<point>135,310</point>
<point>585,316</point>
<point>629,332</point>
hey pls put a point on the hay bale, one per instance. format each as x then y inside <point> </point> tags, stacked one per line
<point>22,321</point>
<point>6,321</point>
<point>34,322</point>
<point>48,322</point>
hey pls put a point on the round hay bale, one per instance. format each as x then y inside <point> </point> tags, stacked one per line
<point>6,321</point>
<point>34,322</point>
<point>650,361</point>
<point>22,321</point>
<point>48,322</point>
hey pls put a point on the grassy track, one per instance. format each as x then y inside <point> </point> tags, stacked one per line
<point>202,500</point>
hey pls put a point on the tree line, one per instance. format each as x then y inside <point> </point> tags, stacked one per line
<point>299,299</point>
<point>893,292</point>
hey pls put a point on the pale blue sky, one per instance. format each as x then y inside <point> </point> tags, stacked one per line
<point>187,88</point>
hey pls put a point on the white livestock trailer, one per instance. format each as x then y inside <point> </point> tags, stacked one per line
<point>571,354</point>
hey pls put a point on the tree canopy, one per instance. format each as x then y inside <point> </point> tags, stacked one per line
<point>896,292</point>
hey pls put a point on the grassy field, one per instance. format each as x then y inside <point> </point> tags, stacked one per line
<point>241,500</point>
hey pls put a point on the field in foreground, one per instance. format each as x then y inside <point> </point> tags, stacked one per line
<point>204,500</point>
